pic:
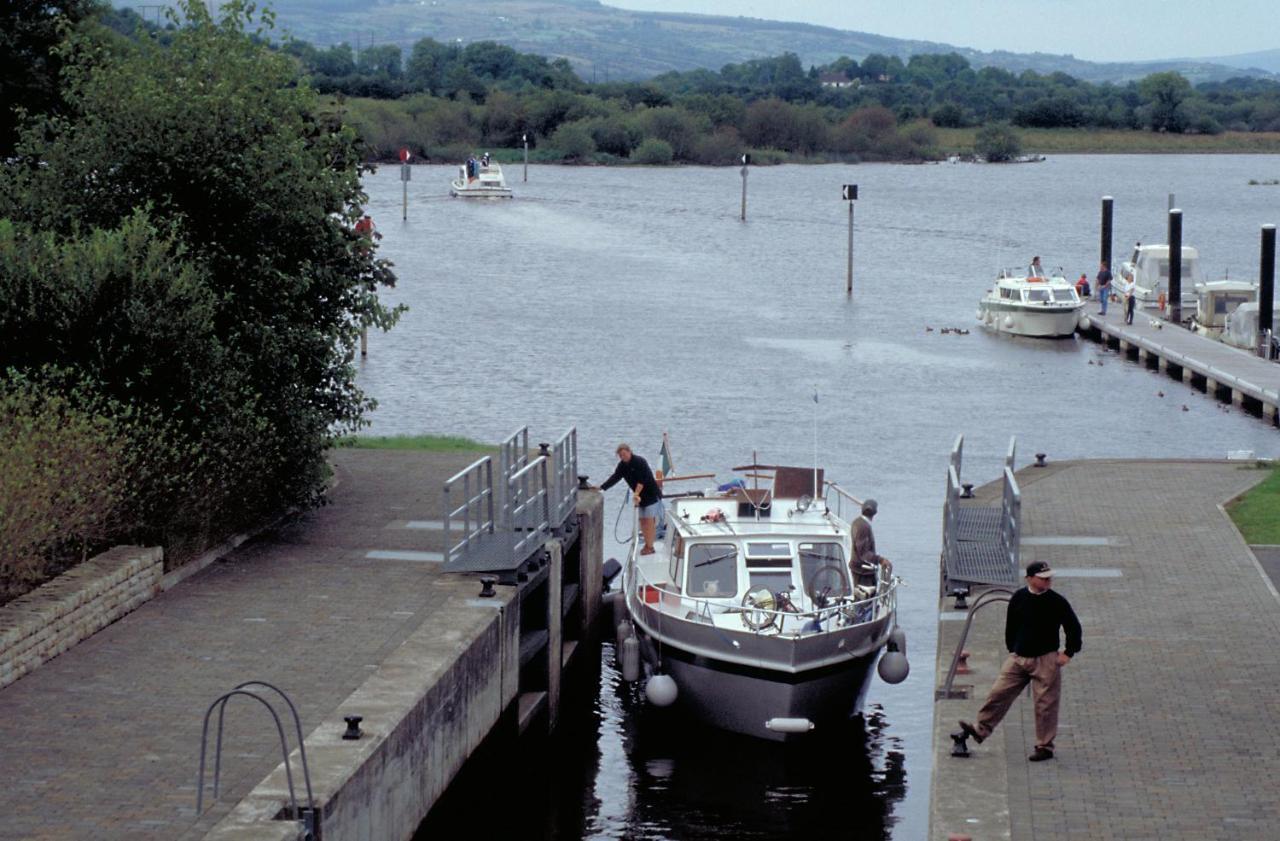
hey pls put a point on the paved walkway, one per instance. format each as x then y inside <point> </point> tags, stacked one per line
<point>1169,715</point>
<point>103,741</point>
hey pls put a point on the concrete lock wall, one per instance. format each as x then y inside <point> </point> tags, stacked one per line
<point>590,556</point>
<point>74,606</point>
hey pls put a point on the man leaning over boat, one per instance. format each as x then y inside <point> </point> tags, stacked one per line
<point>635,471</point>
<point>865,560</point>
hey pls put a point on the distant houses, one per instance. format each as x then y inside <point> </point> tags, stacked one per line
<point>837,80</point>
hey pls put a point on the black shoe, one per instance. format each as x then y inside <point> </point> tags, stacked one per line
<point>1040,755</point>
<point>972,732</point>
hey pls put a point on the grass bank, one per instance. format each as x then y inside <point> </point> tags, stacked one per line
<point>1257,513</point>
<point>430,443</point>
<point>959,141</point>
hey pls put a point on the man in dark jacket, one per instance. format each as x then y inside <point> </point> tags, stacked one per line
<point>1031,635</point>
<point>636,473</point>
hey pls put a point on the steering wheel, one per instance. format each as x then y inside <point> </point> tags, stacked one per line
<point>758,606</point>
<point>828,579</point>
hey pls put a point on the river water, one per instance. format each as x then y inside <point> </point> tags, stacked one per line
<point>629,301</point>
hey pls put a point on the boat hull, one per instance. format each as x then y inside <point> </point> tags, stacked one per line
<point>471,192</point>
<point>741,699</point>
<point>1057,323</point>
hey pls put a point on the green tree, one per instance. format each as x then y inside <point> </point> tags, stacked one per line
<point>382,61</point>
<point>653,152</point>
<point>239,175</point>
<point>573,141</point>
<point>997,143</point>
<point>1163,95</point>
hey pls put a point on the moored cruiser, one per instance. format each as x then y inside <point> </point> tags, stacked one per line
<point>480,180</point>
<point>748,616</point>
<point>1035,305</point>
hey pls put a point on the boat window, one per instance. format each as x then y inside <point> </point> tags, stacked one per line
<point>1039,296</point>
<point>769,555</point>
<point>1064,294</point>
<point>1006,292</point>
<point>1226,303</point>
<point>713,570</point>
<point>775,580</point>
<point>822,564</point>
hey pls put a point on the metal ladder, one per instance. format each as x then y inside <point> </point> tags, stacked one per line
<point>307,818</point>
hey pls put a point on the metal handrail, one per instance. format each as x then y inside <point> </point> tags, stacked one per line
<point>841,496</point>
<point>565,476</point>
<point>513,456</point>
<point>477,495</point>
<point>957,452</point>
<point>1011,453</point>
<point>998,594</point>
<point>528,506</point>
<point>284,747</point>
<point>297,723</point>
<point>1011,520</point>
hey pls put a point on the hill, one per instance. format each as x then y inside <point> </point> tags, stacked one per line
<point>604,42</point>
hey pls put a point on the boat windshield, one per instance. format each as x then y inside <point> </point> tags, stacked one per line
<point>822,567</point>
<point>1037,296</point>
<point>713,570</point>
<point>1064,295</point>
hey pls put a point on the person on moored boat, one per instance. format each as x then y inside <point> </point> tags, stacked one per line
<point>1035,269</point>
<point>635,471</point>
<point>865,560</point>
<point>1082,285</point>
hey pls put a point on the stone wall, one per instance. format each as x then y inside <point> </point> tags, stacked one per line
<point>74,606</point>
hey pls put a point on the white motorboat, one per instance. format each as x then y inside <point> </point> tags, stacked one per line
<point>487,183</point>
<point>1148,268</point>
<point>1046,307</point>
<point>1242,330</point>
<point>1216,300</point>
<point>747,615</point>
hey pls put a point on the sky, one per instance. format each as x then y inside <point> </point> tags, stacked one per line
<point>1096,30</point>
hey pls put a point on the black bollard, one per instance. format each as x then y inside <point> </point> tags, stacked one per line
<point>1105,257</point>
<point>1174,304</point>
<point>1267,284</point>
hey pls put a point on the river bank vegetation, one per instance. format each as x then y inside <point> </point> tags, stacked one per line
<point>181,288</point>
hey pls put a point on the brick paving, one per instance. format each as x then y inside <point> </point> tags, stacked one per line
<point>103,741</point>
<point>1169,715</point>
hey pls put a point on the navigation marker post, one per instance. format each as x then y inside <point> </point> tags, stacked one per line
<point>746,160</point>
<point>525,138</point>
<point>404,181</point>
<point>1173,305</point>
<point>849,192</point>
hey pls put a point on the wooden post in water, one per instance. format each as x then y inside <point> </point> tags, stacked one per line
<point>746,159</point>
<point>405,174</point>
<point>1105,253</point>
<point>364,341</point>
<point>1267,289</point>
<point>525,138</point>
<point>850,194</point>
<point>1174,304</point>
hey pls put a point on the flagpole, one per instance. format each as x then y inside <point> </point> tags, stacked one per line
<point>815,443</point>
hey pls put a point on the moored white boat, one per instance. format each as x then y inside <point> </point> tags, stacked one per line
<point>747,615</point>
<point>1216,300</point>
<point>488,183</point>
<point>1039,306</point>
<point>1148,268</point>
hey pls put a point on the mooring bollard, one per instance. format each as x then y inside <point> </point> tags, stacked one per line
<point>1267,288</point>
<point>967,492</point>
<point>1040,459</point>
<point>1105,247</point>
<point>353,730</point>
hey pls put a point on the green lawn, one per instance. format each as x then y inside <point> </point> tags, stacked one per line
<point>1257,513</point>
<point>1102,141</point>
<point>431,443</point>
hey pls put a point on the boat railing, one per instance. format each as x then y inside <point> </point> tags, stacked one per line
<point>836,500</point>
<point>767,621</point>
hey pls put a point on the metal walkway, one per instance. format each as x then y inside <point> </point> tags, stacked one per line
<point>981,543</point>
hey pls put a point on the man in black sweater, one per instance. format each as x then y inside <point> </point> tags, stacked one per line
<point>1031,635</point>
<point>635,471</point>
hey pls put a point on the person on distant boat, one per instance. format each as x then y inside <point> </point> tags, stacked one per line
<point>635,471</point>
<point>1035,269</point>
<point>1104,286</point>
<point>485,160</point>
<point>1082,285</point>
<point>865,560</point>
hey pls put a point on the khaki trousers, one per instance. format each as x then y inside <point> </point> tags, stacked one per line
<point>1045,676</point>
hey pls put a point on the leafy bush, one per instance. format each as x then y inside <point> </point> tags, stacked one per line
<point>997,143</point>
<point>573,142</point>
<point>653,152</point>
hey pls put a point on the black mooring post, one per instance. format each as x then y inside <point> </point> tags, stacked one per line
<point>1105,256</point>
<point>1267,282</point>
<point>1174,304</point>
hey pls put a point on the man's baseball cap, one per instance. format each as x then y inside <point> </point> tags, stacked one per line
<point>1039,569</point>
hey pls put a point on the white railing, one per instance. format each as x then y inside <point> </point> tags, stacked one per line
<point>564,477</point>
<point>474,509</point>
<point>528,506</point>
<point>1011,520</point>
<point>840,497</point>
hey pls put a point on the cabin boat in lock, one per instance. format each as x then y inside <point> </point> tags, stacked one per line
<point>487,183</point>
<point>1031,305</point>
<point>748,616</point>
<point>1216,300</point>
<point>1148,268</point>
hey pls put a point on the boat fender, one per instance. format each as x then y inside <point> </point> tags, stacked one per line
<point>789,725</point>
<point>1008,321</point>
<point>1084,321</point>
<point>630,659</point>
<point>979,314</point>
<point>894,667</point>
<point>661,690</point>
<point>647,652</point>
<point>624,631</point>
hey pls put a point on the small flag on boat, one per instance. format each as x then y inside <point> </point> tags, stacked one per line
<point>815,395</point>
<point>667,465</point>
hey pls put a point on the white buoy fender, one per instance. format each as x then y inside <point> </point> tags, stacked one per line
<point>979,315</point>
<point>789,725</point>
<point>894,667</point>
<point>661,690</point>
<point>630,658</point>
<point>1008,321</point>
<point>624,631</point>
<point>1084,321</point>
